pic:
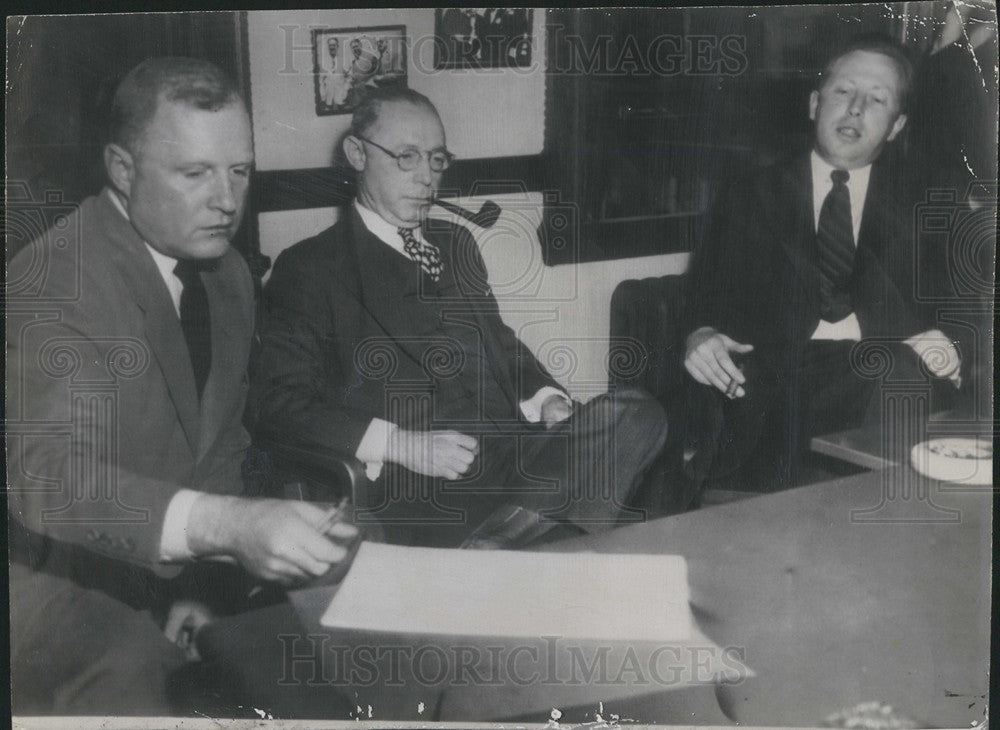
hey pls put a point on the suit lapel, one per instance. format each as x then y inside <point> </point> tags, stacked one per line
<point>389,292</point>
<point>794,225</point>
<point>874,223</point>
<point>876,292</point>
<point>470,287</point>
<point>162,325</point>
<point>230,342</point>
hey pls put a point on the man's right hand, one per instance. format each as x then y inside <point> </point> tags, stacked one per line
<point>447,454</point>
<point>708,360</point>
<point>279,540</point>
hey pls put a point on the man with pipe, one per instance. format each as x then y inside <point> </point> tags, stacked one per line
<point>382,340</point>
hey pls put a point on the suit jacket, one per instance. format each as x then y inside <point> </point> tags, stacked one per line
<point>343,329</point>
<point>104,421</point>
<point>756,277</point>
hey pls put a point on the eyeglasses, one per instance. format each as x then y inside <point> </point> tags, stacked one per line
<point>440,160</point>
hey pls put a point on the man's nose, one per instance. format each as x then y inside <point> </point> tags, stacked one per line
<point>223,195</point>
<point>856,104</point>
<point>423,172</point>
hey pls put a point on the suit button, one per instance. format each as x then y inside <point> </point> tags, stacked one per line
<point>92,535</point>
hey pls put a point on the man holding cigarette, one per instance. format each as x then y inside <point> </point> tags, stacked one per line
<point>802,261</point>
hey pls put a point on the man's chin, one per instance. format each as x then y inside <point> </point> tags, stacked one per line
<point>211,246</point>
<point>845,156</point>
<point>414,215</point>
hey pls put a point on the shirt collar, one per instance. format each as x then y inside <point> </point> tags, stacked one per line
<point>164,263</point>
<point>383,229</point>
<point>857,183</point>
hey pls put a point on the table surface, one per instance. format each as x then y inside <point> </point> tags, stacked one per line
<point>875,587</point>
<point>874,447</point>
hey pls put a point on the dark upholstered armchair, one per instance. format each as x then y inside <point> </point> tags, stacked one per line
<point>647,323</point>
<point>647,313</point>
<point>299,473</point>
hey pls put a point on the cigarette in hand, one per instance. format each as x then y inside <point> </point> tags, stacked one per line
<point>733,387</point>
<point>333,516</point>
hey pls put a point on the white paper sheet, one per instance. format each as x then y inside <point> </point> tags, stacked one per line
<point>508,593</point>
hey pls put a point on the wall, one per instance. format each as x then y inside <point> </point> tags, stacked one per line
<point>488,113</point>
<point>562,313</point>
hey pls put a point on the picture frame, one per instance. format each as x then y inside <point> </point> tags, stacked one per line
<point>482,38</point>
<point>347,62</point>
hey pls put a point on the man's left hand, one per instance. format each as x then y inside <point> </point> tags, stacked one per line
<point>938,354</point>
<point>555,408</point>
<point>184,620</point>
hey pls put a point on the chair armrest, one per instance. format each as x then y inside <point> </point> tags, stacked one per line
<point>314,475</point>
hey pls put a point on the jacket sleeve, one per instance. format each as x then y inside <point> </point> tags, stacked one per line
<point>299,389</point>
<point>95,451</point>
<point>721,268</point>
<point>66,476</point>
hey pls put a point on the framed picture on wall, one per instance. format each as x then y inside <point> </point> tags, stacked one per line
<point>482,37</point>
<point>347,62</point>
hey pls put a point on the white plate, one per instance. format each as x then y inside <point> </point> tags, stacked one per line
<point>959,459</point>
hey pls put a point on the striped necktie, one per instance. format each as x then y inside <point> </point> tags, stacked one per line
<point>835,239</point>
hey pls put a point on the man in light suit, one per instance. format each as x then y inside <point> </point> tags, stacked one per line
<point>801,261</point>
<point>383,340</point>
<point>126,386</point>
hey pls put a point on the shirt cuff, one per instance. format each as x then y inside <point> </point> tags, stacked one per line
<point>846,329</point>
<point>371,450</point>
<point>173,542</point>
<point>532,408</point>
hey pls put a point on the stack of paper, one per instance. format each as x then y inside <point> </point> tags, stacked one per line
<point>508,593</point>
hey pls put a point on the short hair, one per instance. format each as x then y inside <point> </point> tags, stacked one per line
<point>367,111</point>
<point>885,46</point>
<point>191,81</point>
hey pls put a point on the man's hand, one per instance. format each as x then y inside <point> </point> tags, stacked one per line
<point>447,454</point>
<point>184,621</point>
<point>278,540</point>
<point>939,355</point>
<point>707,359</point>
<point>555,409</point>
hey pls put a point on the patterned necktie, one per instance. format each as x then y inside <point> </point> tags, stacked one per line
<point>835,239</point>
<point>424,253</point>
<point>196,321</point>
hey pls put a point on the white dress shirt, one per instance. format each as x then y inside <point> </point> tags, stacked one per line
<point>373,444</point>
<point>857,186</point>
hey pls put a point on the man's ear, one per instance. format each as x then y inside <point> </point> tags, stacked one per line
<point>121,168</point>
<point>897,127</point>
<point>813,103</point>
<point>354,151</point>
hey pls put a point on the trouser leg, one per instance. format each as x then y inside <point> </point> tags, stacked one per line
<point>77,651</point>
<point>596,459</point>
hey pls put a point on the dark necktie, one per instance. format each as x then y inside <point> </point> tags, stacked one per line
<point>835,239</point>
<point>424,253</point>
<point>195,320</point>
